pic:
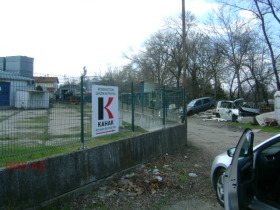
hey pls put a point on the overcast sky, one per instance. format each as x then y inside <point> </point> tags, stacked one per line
<point>64,35</point>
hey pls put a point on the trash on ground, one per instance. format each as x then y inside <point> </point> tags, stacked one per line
<point>128,176</point>
<point>156,172</point>
<point>159,178</point>
<point>266,119</point>
<point>192,175</point>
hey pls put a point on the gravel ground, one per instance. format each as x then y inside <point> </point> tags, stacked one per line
<point>178,180</point>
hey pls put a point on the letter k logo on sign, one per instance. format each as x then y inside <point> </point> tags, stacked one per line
<point>101,108</point>
<point>110,100</point>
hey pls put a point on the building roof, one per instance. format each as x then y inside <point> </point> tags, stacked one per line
<point>11,76</point>
<point>46,79</point>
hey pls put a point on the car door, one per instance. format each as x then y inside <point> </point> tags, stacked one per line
<point>225,110</point>
<point>239,176</point>
<point>197,106</point>
<point>206,104</point>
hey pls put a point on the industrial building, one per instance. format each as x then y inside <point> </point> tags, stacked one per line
<point>17,86</point>
<point>17,65</point>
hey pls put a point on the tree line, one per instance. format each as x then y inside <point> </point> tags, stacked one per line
<point>233,54</point>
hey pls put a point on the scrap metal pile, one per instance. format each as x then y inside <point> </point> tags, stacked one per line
<point>239,111</point>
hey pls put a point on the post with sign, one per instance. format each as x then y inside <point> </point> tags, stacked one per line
<point>105,115</point>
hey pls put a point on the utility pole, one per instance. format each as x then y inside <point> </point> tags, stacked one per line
<point>184,66</point>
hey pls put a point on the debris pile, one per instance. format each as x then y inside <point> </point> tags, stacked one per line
<point>238,111</point>
<point>144,179</point>
<point>175,176</point>
<point>267,119</point>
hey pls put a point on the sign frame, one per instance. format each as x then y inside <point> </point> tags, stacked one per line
<point>105,114</point>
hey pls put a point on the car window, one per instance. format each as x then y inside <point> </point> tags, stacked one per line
<point>246,147</point>
<point>224,104</point>
<point>272,149</point>
<point>206,100</point>
<point>230,105</point>
<point>198,103</point>
<point>238,103</point>
<point>191,103</point>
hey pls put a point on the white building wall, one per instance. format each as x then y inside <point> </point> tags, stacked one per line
<point>32,99</point>
<point>18,85</point>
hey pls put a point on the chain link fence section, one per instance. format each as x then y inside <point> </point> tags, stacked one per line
<point>47,115</point>
<point>162,107</point>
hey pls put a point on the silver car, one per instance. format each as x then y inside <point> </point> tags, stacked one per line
<point>246,177</point>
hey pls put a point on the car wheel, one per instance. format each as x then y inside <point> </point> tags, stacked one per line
<point>234,118</point>
<point>219,186</point>
<point>190,113</point>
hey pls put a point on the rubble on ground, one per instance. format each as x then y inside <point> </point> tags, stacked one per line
<point>265,119</point>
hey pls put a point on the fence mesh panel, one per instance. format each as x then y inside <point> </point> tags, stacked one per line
<point>41,117</point>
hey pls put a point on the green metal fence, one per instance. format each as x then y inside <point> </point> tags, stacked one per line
<point>40,119</point>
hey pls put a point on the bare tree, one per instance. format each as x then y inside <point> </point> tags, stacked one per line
<point>231,34</point>
<point>154,61</point>
<point>267,13</point>
<point>175,42</point>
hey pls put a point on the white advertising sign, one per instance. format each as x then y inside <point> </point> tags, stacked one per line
<point>105,115</point>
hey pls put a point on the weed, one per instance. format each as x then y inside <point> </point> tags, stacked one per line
<point>181,165</point>
<point>184,179</point>
<point>251,126</point>
<point>165,198</point>
<point>97,205</point>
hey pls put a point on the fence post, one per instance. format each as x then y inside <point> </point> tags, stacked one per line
<point>132,108</point>
<point>166,103</point>
<point>82,113</point>
<point>122,99</point>
<point>184,106</point>
<point>142,101</point>
<point>163,106</point>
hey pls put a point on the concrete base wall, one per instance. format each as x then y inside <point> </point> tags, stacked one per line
<point>67,173</point>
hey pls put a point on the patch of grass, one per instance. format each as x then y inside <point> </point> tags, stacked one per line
<point>55,207</point>
<point>251,126</point>
<point>5,138</point>
<point>192,147</point>
<point>180,165</point>
<point>107,139</point>
<point>19,154</point>
<point>165,198</point>
<point>97,205</point>
<point>23,154</point>
<point>126,205</point>
<point>39,119</point>
<point>37,126</point>
<point>127,127</point>
<point>45,137</point>
<point>66,135</point>
<point>183,178</point>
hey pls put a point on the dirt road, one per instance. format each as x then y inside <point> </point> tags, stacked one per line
<point>216,137</point>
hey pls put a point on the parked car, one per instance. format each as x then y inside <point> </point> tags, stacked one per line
<point>232,110</point>
<point>200,105</point>
<point>248,177</point>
